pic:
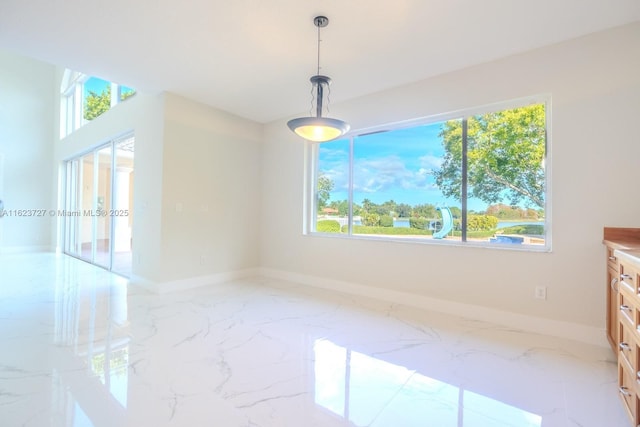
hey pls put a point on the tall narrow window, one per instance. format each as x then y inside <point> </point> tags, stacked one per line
<point>476,178</point>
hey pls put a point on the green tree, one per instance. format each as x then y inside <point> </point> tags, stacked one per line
<point>368,205</point>
<point>424,211</point>
<point>357,209</point>
<point>482,222</point>
<point>126,94</point>
<point>342,206</point>
<point>505,156</point>
<point>371,219</point>
<point>97,103</point>
<point>325,186</point>
<point>502,211</point>
<point>456,212</point>
<point>403,210</point>
<point>531,214</point>
<point>386,221</point>
<point>418,223</point>
<point>387,208</point>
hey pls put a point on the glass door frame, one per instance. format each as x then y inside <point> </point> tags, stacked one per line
<point>75,213</point>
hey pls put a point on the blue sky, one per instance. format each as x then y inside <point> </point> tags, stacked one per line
<point>396,165</point>
<point>97,85</point>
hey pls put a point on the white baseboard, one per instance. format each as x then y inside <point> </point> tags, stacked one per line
<point>556,328</point>
<point>25,249</point>
<point>539,325</point>
<point>192,282</point>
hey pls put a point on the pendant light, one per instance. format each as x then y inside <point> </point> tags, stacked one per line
<point>318,128</point>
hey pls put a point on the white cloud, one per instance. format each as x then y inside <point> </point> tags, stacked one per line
<point>382,174</point>
<point>430,163</point>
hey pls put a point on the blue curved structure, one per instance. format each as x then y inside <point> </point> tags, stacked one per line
<point>447,223</point>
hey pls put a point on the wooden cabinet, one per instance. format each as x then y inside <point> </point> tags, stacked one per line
<point>616,238</point>
<point>628,393</point>
<point>628,332</point>
<point>613,305</point>
<point>623,312</point>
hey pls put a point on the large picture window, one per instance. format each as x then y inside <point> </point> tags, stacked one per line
<point>477,178</point>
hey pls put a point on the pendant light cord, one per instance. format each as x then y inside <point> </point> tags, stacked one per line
<point>317,128</point>
<point>318,73</point>
<point>317,93</point>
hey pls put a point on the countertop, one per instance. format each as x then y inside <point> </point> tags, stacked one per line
<point>629,255</point>
<point>623,239</point>
<point>625,242</point>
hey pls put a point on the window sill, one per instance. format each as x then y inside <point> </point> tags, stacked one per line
<point>417,240</point>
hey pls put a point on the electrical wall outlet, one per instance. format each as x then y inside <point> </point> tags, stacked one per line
<point>541,292</point>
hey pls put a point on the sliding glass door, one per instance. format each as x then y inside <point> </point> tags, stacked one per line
<point>98,201</point>
<point>102,207</point>
<point>122,218</point>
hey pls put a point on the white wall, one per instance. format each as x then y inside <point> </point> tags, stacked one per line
<point>27,118</point>
<point>186,153</point>
<point>211,192</point>
<point>241,190</point>
<point>144,115</point>
<point>594,82</point>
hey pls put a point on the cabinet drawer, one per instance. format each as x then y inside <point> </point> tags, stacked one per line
<point>627,347</point>
<point>612,259</point>
<point>627,392</point>
<point>627,309</point>
<point>628,277</point>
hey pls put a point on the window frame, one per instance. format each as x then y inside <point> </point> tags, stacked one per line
<point>72,100</point>
<point>311,166</point>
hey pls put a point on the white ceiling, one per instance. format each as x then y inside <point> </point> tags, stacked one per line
<point>254,57</point>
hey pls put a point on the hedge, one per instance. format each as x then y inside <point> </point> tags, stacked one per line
<point>391,231</point>
<point>482,223</point>
<point>386,221</point>
<point>417,223</point>
<point>533,229</point>
<point>328,226</point>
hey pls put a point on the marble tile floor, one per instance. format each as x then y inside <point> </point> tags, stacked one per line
<point>79,347</point>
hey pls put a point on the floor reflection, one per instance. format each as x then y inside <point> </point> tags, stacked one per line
<point>111,367</point>
<point>90,380</point>
<point>368,391</point>
<point>83,350</point>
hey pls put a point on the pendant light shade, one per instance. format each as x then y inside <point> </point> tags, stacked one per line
<point>318,128</point>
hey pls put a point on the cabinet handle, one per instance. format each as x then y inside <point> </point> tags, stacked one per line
<point>624,346</point>
<point>614,282</point>
<point>624,391</point>
<point>612,258</point>
<point>626,276</point>
<point>625,307</point>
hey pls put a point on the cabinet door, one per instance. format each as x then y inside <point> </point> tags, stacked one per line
<point>627,392</point>
<point>613,306</point>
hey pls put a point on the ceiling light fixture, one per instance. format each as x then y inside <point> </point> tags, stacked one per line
<point>318,128</point>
